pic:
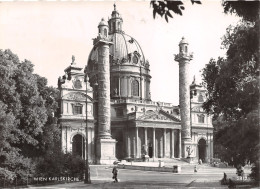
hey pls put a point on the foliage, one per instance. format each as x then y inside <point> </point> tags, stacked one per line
<point>240,140</point>
<point>233,88</point>
<point>59,164</point>
<point>164,7</point>
<point>27,126</point>
<point>248,10</point>
<point>233,82</point>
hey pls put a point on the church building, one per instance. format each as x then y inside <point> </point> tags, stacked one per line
<point>107,110</point>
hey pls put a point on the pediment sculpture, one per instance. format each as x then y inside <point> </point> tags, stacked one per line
<point>75,96</point>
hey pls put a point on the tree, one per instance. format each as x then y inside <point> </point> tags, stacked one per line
<point>28,127</point>
<point>164,7</point>
<point>233,88</point>
<point>248,10</point>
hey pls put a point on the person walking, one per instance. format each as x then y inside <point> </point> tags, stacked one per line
<point>115,171</point>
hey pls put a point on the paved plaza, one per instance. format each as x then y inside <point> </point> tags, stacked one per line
<point>206,177</point>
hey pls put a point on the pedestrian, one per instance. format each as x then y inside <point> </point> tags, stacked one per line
<point>195,169</point>
<point>115,171</point>
<point>200,161</point>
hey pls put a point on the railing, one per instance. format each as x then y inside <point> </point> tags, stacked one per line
<point>164,104</point>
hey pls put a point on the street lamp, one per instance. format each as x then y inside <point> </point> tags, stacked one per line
<point>87,169</point>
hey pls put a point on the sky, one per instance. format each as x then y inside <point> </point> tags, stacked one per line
<point>49,33</point>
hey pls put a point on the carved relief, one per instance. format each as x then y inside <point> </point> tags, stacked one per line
<point>185,133</point>
<point>155,117</point>
<point>77,96</point>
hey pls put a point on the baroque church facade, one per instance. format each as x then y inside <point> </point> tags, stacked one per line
<point>107,110</point>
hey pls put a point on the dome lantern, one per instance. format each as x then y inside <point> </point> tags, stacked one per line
<point>115,22</point>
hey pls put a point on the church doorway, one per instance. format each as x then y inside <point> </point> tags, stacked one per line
<point>202,149</point>
<point>150,151</point>
<point>78,146</point>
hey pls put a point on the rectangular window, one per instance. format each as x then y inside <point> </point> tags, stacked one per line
<point>77,109</point>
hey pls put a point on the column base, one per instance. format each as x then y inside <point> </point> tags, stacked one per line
<point>106,151</point>
<point>188,149</point>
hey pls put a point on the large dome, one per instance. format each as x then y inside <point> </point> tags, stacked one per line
<point>124,46</point>
<point>129,70</point>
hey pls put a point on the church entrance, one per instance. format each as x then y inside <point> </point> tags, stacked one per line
<point>150,151</point>
<point>78,146</point>
<point>202,149</point>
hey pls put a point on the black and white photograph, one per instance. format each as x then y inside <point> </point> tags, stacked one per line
<point>129,94</point>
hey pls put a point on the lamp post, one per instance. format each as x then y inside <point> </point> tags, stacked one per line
<point>87,169</point>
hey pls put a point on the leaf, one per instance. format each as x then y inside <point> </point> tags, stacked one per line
<point>194,1</point>
<point>166,18</point>
<point>154,13</point>
<point>169,14</point>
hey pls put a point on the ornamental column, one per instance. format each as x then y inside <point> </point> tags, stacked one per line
<point>136,142</point>
<point>172,143</point>
<point>179,151</point>
<point>184,96</point>
<point>164,143</point>
<point>153,142</point>
<point>105,143</point>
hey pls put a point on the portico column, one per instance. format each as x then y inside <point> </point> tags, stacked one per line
<point>153,142</point>
<point>127,144</point>
<point>172,143</point>
<point>164,142</point>
<point>145,136</point>
<point>136,143</point>
<point>179,155</point>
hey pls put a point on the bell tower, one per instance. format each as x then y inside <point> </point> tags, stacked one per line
<point>184,58</point>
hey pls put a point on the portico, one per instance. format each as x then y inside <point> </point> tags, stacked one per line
<point>155,134</point>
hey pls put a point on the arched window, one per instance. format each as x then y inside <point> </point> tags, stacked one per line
<point>105,32</point>
<point>201,98</point>
<point>135,88</point>
<point>114,26</point>
<point>186,49</point>
<point>180,48</point>
<point>135,59</point>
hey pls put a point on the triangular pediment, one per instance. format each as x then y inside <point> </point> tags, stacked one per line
<point>159,115</point>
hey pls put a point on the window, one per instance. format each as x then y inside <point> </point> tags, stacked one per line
<point>114,26</point>
<point>135,88</point>
<point>201,118</point>
<point>135,59</point>
<point>77,109</point>
<point>105,32</point>
<point>186,49</point>
<point>180,49</point>
<point>201,98</point>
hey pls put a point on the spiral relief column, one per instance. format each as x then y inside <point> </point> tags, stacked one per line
<point>103,91</point>
<point>184,97</point>
<point>105,148</point>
